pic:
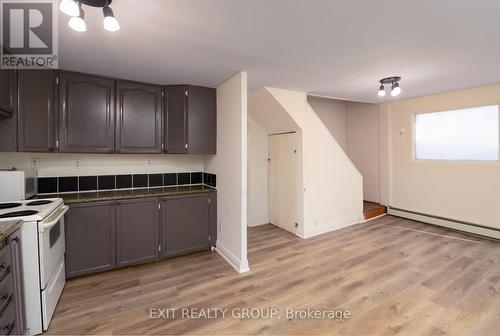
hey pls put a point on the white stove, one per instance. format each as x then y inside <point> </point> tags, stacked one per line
<point>42,254</point>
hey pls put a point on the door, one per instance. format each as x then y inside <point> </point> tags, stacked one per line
<point>139,118</point>
<point>176,119</point>
<point>185,224</point>
<point>86,113</point>
<point>37,110</point>
<point>90,238</point>
<point>282,181</point>
<point>8,85</point>
<point>8,111</point>
<point>137,231</point>
<point>202,120</point>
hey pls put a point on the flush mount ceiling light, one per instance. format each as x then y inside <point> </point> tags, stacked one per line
<point>394,82</point>
<point>74,9</point>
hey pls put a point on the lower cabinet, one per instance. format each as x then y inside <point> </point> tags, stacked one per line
<point>105,235</point>
<point>185,224</point>
<point>137,231</point>
<point>90,238</point>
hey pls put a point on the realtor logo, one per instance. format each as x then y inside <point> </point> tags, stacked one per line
<point>29,34</point>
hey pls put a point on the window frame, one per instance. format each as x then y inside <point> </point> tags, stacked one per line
<point>414,137</point>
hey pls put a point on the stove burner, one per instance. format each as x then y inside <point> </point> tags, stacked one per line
<point>9,205</point>
<point>40,202</point>
<point>18,213</point>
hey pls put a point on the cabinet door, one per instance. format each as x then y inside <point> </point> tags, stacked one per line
<point>86,105</point>
<point>7,92</point>
<point>202,120</point>
<point>8,111</point>
<point>185,224</point>
<point>137,231</point>
<point>176,119</point>
<point>90,238</point>
<point>212,218</point>
<point>139,119</point>
<point>37,120</point>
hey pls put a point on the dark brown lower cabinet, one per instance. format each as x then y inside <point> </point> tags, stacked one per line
<point>185,224</point>
<point>90,238</point>
<point>104,235</point>
<point>137,231</point>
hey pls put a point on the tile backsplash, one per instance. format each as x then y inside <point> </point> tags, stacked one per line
<point>49,185</point>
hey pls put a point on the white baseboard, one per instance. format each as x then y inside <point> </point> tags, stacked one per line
<point>236,263</point>
<point>449,223</point>
<point>317,230</point>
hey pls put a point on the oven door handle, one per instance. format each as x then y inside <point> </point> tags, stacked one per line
<point>46,226</point>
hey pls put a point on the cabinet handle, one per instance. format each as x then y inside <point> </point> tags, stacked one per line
<point>186,146</point>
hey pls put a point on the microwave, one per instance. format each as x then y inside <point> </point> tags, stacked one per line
<point>18,185</point>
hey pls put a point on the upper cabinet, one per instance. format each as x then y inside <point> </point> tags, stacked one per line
<point>37,110</point>
<point>139,118</point>
<point>86,113</point>
<point>7,92</point>
<point>191,120</point>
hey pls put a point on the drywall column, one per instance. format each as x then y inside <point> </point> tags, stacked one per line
<point>230,165</point>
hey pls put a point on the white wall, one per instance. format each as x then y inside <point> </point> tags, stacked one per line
<point>64,164</point>
<point>464,191</point>
<point>333,113</point>
<point>362,133</point>
<point>258,143</point>
<point>230,165</point>
<point>329,187</point>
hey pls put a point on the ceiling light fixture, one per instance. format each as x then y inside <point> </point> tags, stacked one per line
<point>77,23</point>
<point>74,9</point>
<point>394,82</point>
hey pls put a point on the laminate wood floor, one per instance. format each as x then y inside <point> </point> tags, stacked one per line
<point>394,276</point>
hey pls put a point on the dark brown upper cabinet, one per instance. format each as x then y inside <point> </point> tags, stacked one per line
<point>8,85</point>
<point>37,110</point>
<point>190,120</point>
<point>176,119</point>
<point>139,118</point>
<point>8,111</point>
<point>86,113</point>
<point>137,231</point>
<point>202,120</point>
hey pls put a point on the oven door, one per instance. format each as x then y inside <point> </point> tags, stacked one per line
<point>51,244</point>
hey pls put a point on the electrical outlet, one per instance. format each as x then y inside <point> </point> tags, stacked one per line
<point>34,163</point>
<point>77,163</point>
<point>149,162</point>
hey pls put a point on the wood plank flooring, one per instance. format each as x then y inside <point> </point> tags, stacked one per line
<point>394,276</point>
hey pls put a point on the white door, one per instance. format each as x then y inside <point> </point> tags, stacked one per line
<point>282,183</point>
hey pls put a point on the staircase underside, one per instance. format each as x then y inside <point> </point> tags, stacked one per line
<point>372,209</point>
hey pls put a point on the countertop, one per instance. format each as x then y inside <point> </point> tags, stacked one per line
<point>112,195</point>
<point>8,227</point>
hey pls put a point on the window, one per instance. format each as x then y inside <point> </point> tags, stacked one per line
<point>466,134</point>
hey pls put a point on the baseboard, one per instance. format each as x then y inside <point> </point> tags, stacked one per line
<point>445,222</point>
<point>236,263</point>
<point>314,231</point>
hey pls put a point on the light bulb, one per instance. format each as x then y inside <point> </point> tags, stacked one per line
<point>110,23</point>
<point>78,24</point>
<point>381,91</point>
<point>69,7</point>
<point>396,90</point>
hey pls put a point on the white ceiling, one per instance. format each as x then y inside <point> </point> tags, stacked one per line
<point>327,47</point>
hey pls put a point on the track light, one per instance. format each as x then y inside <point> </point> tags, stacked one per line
<point>395,89</point>
<point>110,23</point>
<point>394,82</point>
<point>69,7</point>
<point>381,91</point>
<point>74,9</point>
<point>77,23</point>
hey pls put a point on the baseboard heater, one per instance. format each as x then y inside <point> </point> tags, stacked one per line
<point>446,222</point>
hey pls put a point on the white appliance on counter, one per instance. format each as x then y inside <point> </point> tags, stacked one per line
<point>18,184</point>
<point>42,256</point>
